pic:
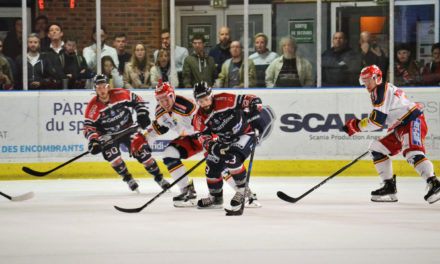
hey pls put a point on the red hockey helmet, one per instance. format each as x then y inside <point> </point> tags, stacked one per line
<point>373,72</point>
<point>163,90</point>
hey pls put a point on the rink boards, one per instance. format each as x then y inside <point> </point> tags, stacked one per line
<point>43,129</point>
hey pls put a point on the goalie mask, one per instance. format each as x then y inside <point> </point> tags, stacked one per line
<point>370,72</point>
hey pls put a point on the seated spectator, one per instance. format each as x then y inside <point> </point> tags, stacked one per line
<point>109,69</point>
<point>12,43</point>
<point>180,53</point>
<point>74,65</point>
<point>406,70</point>
<point>41,28</point>
<point>198,67</point>
<point>6,81</point>
<point>162,70</point>
<point>41,74</point>
<point>9,59</point>
<point>120,43</point>
<point>340,64</point>
<point>262,58</point>
<point>232,74</point>
<point>431,71</point>
<point>289,70</point>
<point>221,51</point>
<point>137,70</point>
<point>89,52</point>
<point>371,53</point>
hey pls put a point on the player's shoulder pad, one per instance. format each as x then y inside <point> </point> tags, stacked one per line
<point>378,96</point>
<point>224,100</point>
<point>93,109</point>
<point>184,106</point>
<point>160,111</point>
<point>119,94</point>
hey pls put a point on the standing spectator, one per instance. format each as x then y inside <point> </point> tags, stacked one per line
<point>198,67</point>
<point>9,59</point>
<point>162,70</point>
<point>89,52</point>
<point>12,43</point>
<point>431,71</point>
<point>232,74</point>
<point>262,58</point>
<point>56,48</point>
<point>180,53</point>
<point>6,81</point>
<point>120,43</point>
<point>221,51</point>
<point>289,70</point>
<point>74,65</point>
<point>137,70</point>
<point>340,64</point>
<point>41,74</point>
<point>371,53</point>
<point>40,27</point>
<point>406,70</point>
<point>111,72</point>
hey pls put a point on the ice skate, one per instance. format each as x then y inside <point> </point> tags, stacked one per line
<point>132,183</point>
<point>251,200</point>
<point>387,193</point>
<point>433,194</point>
<point>164,184</point>
<point>237,201</point>
<point>187,198</point>
<point>211,202</point>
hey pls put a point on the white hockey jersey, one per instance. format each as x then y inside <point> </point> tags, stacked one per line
<point>178,120</point>
<point>391,107</point>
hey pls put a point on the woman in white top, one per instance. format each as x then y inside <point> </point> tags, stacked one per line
<point>162,70</point>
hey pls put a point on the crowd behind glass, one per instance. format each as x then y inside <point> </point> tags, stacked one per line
<point>55,63</point>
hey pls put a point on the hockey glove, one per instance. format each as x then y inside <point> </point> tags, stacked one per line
<point>95,146</point>
<point>143,119</point>
<point>219,150</point>
<point>352,127</point>
<point>137,144</point>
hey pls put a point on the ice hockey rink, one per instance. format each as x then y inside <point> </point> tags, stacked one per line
<point>73,221</point>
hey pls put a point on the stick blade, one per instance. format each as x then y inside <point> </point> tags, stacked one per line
<point>286,197</point>
<point>33,172</point>
<point>233,213</point>
<point>128,210</point>
<point>23,197</point>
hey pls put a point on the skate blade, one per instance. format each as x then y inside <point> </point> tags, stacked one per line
<point>434,198</point>
<point>183,204</point>
<point>219,206</point>
<point>254,204</point>
<point>390,198</point>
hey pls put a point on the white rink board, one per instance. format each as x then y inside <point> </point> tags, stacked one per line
<point>46,126</point>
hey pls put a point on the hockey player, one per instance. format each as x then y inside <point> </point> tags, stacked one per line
<point>407,131</point>
<point>109,113</point>
<point>226,117</point>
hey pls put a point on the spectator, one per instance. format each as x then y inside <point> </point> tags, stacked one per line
<point>56,48</point>
<point>120,43</point>
<point>12,43</point>
<point>41,74</point>
<point>89,52</point>
<point>74,65</point>
<point>137,70</point>
<point>232,74</point>
<point>40,27</point>
<point>180,53</point>
<point>406,70</point>
<point>340,64</point>
<point>262,58</point>
<point>109,69</point>
<point>198,67</point>
<point>371,53</point>
<point>221,51</point>
<point>431,71</point>
<point>289,70</point>
<point>9,59</point>
<point>162,70</point>
<point>6,81</point>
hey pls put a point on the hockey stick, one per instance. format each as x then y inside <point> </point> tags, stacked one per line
<point>290,199</point>
<point>41,174</point>
<point>251,160</point>
<point>19,198</point>
<point>137,210</point>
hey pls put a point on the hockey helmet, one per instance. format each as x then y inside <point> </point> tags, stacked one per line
<point>100,78</point>
<point>201,90</point>
<point>163,90</point>
<point>373,72</point>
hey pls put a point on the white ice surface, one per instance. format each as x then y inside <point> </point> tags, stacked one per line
<point>73,221</point>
